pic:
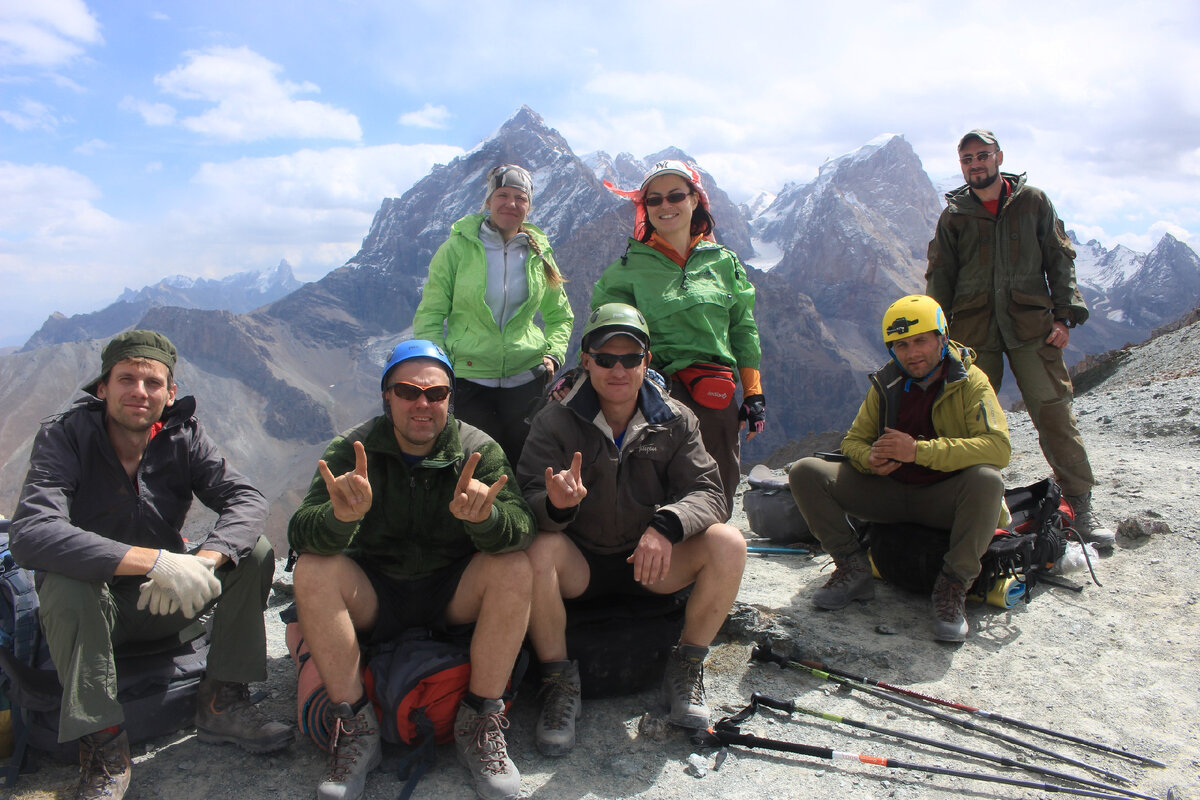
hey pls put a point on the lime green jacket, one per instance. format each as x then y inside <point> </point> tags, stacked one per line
<point>703,312</point>
<point>453,313</point>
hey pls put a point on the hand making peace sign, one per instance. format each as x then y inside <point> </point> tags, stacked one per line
<point>565,489</point>
<point>473,499</point>
<point>350,493</point>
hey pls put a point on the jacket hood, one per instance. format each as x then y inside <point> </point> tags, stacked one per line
<point>960,357</point>
<point>183,409</point>
<point>584,401</point>
<point>468,227</point>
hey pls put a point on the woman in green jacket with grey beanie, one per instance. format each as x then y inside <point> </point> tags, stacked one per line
<point>486,283</point>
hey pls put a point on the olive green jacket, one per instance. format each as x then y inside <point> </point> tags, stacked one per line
<point>1002,280</point>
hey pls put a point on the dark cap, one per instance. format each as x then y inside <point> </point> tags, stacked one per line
<point>985,136</point>
<point>134,344</point>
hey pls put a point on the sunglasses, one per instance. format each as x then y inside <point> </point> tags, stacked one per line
<point>410,392</point>
<point>674,198</point>
<point>982,158</point>
<point>610,360</point>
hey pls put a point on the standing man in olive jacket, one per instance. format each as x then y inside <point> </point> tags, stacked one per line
<point>628,501</point>
<point>1000,263</point>
<point>109,486</point>
<point>413,520</point>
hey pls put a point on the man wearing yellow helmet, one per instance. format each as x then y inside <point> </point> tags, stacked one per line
<point>927,447</point>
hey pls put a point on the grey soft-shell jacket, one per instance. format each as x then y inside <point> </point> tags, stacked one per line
<point>79,512</point>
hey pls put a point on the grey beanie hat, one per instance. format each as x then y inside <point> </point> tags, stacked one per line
<point>509,175</point>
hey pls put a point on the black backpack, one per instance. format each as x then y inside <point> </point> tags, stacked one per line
<point>910,556</point>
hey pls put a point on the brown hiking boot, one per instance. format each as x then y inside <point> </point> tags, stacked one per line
<point>224,714</point>
<point>683,687</point>
<point>949,609</point>
<point>104,766</point>
<point>851,580</point>
<point>479,740</point>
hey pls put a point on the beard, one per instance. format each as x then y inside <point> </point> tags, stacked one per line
<point>983,181</point>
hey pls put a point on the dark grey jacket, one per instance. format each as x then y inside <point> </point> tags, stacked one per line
<point>79,512</point>
<point>661,468</point>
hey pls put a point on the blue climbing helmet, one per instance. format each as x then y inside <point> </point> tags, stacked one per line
<point>416,348</point>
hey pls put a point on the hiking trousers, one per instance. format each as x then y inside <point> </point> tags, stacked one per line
<point>720,433</point>
<point>84,621</point>
<point>967,504</point>
<point>1047,392</point>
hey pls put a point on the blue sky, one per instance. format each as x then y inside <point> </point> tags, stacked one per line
<point>145,138</point>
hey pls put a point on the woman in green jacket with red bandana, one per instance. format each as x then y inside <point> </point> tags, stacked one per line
<point>486,284</point>
<point>699,305</point>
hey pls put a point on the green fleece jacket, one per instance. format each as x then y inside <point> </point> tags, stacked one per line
<point>454,314</point>
<point>703,312</point>
<point>409,531</point>
<point>971,426</point>
<point>1003,279</point>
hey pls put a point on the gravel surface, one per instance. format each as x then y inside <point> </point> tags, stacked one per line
<point>1117,663</point>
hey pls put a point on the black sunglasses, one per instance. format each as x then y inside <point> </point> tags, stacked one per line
<point>610,360</point>
<point>410,392</point>
<point>674,198</point>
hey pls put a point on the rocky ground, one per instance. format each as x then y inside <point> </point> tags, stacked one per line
<point>1118,663</point>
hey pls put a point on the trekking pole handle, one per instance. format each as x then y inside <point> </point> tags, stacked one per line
<point>767,701</point>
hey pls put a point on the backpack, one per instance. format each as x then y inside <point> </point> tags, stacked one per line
<point>415,683</point>
<point>20,644</point>
<point>156,681</point>
<point>771,510</point>
<point>910,556</point>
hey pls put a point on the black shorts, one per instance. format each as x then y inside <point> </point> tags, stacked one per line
<point>419,603</point>
<point>609,575</point>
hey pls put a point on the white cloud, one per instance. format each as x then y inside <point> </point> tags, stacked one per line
<point>154,114</point>
<point>430,116</point>
<point>91,147</point>
<point>45,33</point>
<point>251,102</point>
<point>31,115</point>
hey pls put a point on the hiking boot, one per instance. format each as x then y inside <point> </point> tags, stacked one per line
<point>561,706</point>
<point>354,750</point>
<point>949,609</point>
<point>851,580</point>
<point>479,740</point>
<point>224,714</point>
<point>683,687</point>
<point>104,766</point>
<point>1087,526</point>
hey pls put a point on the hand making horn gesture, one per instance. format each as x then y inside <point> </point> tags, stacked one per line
<point>565,489</point>
<point>350,493</point>
<point>473,499</point>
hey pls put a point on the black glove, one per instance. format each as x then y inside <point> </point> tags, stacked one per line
<point>754,412</point>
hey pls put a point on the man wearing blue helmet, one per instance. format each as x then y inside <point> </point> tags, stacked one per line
<point>413,519</point>
<point>926,446</point>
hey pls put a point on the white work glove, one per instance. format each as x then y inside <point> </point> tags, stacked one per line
<point>179,581</point>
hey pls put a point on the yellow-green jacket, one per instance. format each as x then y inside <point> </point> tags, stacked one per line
<point>971,426</point>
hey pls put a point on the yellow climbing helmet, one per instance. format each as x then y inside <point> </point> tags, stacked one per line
<point>910,315</point>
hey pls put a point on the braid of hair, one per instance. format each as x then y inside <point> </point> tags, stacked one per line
<point>553,276</point>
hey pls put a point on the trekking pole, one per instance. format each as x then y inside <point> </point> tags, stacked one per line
<point>790,707</point>
<point>732,736</point>
<point>992,715</point>
<point>765,654</point>
<point>778,551</point>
